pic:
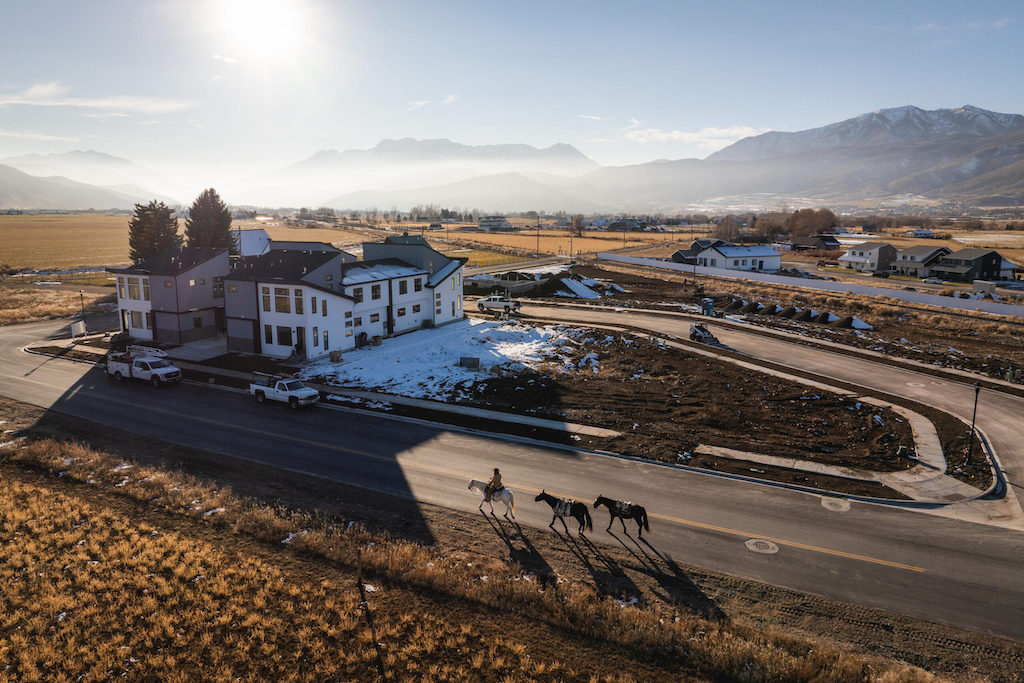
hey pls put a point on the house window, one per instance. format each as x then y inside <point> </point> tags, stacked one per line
<point>282,302</point>
<point>417,284</point>
<point>137,319</point>
<point>375,291</point>
<point>268,334</point>
<point>316,337</point>
<point>133,288</point>
<point>284,335</point>
<point>357,294</point>
<point>149,320</point>
<point>266,299</point>
<point>233,289</point>
<point>218,288</point>
<point>403,286</point>
<point>453,285</point>
<point>348,323</point>
<point>459,304</point>
<point>358,322</point>
<point>401,312</point>
<point>325,341</point>
<point>298,301</point>
<point>430,266</point>
<point>348,314</point>
<point>202,281</point>
<point>168,284</point>
<point>312,304</point>
<point>329,277</point>
<point>437,311</point>
<point>415,308</point>
<point>120,287</point>
<point>323,307</point>
<point>145,289</point>
<point>375,318</point>
<point>197,321</point>
<point>437,295</point>
<point>348,333</point>
<point>191,283</point>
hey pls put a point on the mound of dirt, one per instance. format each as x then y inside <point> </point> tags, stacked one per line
<point>806,315</point>
<point>787,312</point>
<point>845,323</point>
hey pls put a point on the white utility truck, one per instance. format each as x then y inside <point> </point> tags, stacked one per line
<point>280,388</point>
<point>144,363</point>
<point>497,302</point>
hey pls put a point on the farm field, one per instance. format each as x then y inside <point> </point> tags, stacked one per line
<point>557,241</point>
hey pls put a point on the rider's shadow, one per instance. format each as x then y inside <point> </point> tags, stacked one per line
<point>525,555</point>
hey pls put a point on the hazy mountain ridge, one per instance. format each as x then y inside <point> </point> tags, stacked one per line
<point>885,126</point>
<point>95,168</point>
<point>19,190</point>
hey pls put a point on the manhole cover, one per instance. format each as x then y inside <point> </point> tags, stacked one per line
<point>915,384</point>
<point>835,504</point>
<point>759,545</point>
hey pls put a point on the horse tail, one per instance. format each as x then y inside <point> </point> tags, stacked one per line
<point>586,515</point>
<point>643,511</point>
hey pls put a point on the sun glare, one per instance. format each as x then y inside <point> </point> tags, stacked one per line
<point>261,30</point>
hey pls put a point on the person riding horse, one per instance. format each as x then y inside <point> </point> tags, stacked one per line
<point>493,486</point>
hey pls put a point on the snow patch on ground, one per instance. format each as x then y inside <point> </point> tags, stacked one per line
<point>859,324</point>
<point>425,364</point>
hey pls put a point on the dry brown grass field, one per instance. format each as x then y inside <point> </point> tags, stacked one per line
<point>114,568</point>
<point>22,303</point>
<point>557,241</point>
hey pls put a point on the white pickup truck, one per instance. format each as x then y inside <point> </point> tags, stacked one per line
<point>285,389</point>
<point>496,302</point>
<point>139,362</point>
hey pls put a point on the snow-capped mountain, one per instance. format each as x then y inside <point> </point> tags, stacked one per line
<point>885,126</point>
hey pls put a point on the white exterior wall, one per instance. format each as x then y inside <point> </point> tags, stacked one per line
<point>771,262</point>
<point>411,320</point>
<point>333,323</point>
<point>447,298</point>
<point>140,305</point>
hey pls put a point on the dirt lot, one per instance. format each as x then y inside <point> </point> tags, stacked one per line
<point>629,569</point>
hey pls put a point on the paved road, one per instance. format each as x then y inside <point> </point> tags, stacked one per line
<point>941,569</point>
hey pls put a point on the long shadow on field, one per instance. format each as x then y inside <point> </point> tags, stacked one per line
<point>678,587</point>
<point>608,576</point>
<point>526,556</point>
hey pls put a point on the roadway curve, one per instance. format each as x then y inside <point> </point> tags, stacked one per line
<point>946,570</point>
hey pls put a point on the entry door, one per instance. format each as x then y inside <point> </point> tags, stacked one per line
<point>124,321</point>
<point>300,341</point>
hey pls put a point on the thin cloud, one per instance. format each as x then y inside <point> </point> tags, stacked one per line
<point>633,123</point>
<point>706,138</point>
<point>448,99</point>
<point>413,105</point>
<point>55,95</point>
<point>600,140</point>
<point>971,26</point>
<point>43,137</point>
<point>225,58</point>
<point>591,117</point>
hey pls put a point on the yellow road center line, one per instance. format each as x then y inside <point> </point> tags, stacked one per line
<point>452,473</point>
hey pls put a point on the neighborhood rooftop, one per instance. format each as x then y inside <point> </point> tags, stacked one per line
<point>171,261</point>
<point>279,266</point>
<point>373,271</point>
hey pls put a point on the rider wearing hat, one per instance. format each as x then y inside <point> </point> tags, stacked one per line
<point>493,486</point>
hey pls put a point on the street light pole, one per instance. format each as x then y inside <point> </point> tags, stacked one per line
<point>81,298</point>
<point>970,437</point>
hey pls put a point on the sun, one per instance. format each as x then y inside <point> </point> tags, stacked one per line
<point>261,30</point>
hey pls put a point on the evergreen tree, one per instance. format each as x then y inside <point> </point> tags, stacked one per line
<point>152,229</point>
<point>209,222</point>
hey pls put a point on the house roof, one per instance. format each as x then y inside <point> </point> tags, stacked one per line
<point>921,250</point>
<point>970,253</point>
<point>951,269</point>
<point>374,271</point>
<point>279,266</point>
<point>870,246</point>
<point>172,262</point>
<point>439,276</point>
<point>755,250</point>
<point>406,238</point>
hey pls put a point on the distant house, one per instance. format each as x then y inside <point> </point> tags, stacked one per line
<point>494,224</point>
<point>815,242</point>
<point>689,255</point>
<point>869,256</point>
<point>919,232</point>
<point>175,297</point>
<point>733,257</point>
<point>918,261</point>
<point>968,265</point>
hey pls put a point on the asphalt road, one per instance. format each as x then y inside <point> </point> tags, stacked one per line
<point>946,570</point>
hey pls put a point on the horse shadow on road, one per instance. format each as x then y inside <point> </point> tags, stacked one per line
<point>677,586</point>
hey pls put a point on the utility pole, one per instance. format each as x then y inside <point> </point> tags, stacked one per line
<point>970,437</point>
<point>81,298</point>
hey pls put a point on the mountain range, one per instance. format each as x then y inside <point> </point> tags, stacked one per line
<point>966,154</point>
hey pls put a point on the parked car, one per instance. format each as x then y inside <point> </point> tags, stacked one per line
<point>288,390</point>
<point>880,273</point>
<point>497,302</point>
<point>933,280</point>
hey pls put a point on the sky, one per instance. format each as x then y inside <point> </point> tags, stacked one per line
<point>217,87</point>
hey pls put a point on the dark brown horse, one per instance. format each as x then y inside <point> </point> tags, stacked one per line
<point>563,507</point>
<point>622,510</point>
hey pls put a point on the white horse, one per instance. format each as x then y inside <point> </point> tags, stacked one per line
<point>503,495</point>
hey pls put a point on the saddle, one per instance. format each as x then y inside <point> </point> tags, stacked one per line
<point>623,507</point>
<point>563,508</point>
